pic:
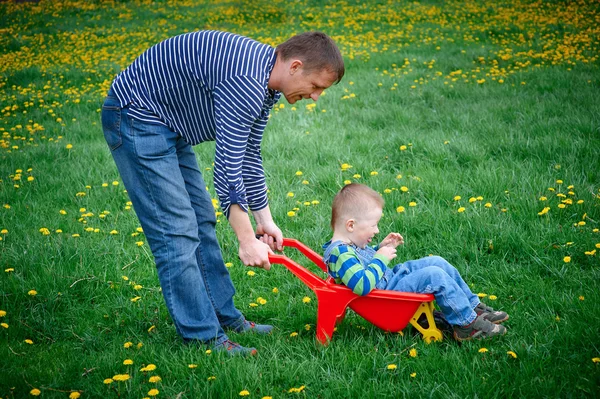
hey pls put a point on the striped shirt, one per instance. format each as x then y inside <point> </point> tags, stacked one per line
<point>209,85</point>
<point>358,269</point>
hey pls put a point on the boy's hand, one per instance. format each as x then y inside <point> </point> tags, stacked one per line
<point>387,251</point>
<point>392,240</point>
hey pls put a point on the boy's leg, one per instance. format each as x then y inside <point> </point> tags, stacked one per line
<point>433,280</point>
<point>438,261</point>
<point>146,157</point>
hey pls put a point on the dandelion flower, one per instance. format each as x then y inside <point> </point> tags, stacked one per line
<point>275,290</point>
<point>404,189</point>
<point>121,377</point>
<point>392,367</point>
<point>108,381</point>
<point>483,350</point>
<point>567,259</point>
<point>208,351</point>
<point>400,209</point>
<point>28,341</point>
<point>511,353</point>
<point>306,299</point>
<point>413,375</point>
<point>127,362</point>
<point>374,173</point>
<point>461,209</point>
<point>291,214</point>
<point>294,334</point>
<point>150,367</point>
<point>35,392</point>
<point>492,297</point>
<point>2,313</point>
<point>581,298</point>
<point>412,203</point>
<point>290,194</point>
<point>403,148</point>
<point>596,359</point>
<point>4,325</point>
<point>299,173</point>
<point>192,366</point>
<point>74,395</point>
<point>127,345</point>
<point>32,292</point>
<point>412,352</point>
<point>296,390</point>
<point>244,393</point>
<point>153,392</point>
<point>251,273</point>
<point>211,378</point>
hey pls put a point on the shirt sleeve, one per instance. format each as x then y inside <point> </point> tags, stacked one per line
<point>252,169</point>
<point>238,104</point>
<point>344,265</point>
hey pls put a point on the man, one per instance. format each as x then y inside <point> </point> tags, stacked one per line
<point>196,87</point>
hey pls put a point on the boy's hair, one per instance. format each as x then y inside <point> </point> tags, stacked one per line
<point>353,199</point>
<point>316,50</point>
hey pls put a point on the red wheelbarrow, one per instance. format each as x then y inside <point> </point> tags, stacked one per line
<point>388,310</point>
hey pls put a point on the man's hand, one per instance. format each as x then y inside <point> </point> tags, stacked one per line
<point>387,251</point>
<point>392,240</point>
<point>270,234</point>
<point>255,253</point>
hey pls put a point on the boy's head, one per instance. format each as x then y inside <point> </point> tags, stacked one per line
<point>355,213</point>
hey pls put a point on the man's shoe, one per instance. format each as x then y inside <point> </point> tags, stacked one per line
<point>233,349</point>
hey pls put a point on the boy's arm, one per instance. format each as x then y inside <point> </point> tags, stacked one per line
<point>344,264</point>
<point>392,240</point>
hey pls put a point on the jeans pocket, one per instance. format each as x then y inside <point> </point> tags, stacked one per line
<point>111,123</point>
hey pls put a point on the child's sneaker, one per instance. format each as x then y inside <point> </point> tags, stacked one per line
<point>233,349</point>
<point>250,326</point>
<point>478,329</point>
<point>495,316</point>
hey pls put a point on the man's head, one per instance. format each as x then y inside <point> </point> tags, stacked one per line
<point>355,213</point>
<point>306,65</point>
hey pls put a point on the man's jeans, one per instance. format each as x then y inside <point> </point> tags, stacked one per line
<point>165,185</point>
<point>434,275</point>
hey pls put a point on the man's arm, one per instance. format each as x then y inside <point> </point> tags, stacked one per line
<point>252,252</point>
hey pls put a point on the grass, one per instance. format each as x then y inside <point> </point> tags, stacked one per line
<point>496,100</point>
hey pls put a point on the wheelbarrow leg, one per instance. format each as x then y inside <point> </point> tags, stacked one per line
<point>331,309</point>
<point>431,333</point>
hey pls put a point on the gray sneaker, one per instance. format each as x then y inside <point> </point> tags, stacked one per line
<point>495,316</point>
<point>478,329</point>
<point>233,349</point>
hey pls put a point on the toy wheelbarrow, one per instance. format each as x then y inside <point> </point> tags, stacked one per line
<point>388,310</point>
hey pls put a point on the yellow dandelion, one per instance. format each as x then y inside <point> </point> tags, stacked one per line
<point>4,325</point>
<point>192,366</point>
<point>596,359</point>
<point>404,189</point>
<point>296,390</point>
<point>2,313</point>
<point>108,381</point>
<point>306,299</point>
<point>483,350</point>
<point>400,209</point>
<point>35,392</point>
<point>244,393</point>
<point>581,298</point>
<point>211,378</point>
<point>412,352</point>
<point>275,290</point>
<point>28,341</point>
<point>127,362</point>
<point>461,209</point>
<point>32,292</point>
<point>294,334</point>
<point>121,377</point>
<point>392,367</point>
<point>492,297</point>
<point>74,395</point>
<point>412,203</point>
<point>567,259</point>
<point>413,375</point>
<point>291,214</point>
<point>251,273</point>
<point>512,354</point>
<point>374,173</point>
<point>299,173</point>
<point>153,392</point>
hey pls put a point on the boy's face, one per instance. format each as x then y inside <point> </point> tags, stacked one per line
<point>364,227</point>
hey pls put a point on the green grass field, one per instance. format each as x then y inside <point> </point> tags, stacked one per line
<point>495,102</point>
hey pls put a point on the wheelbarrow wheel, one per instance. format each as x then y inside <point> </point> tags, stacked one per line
<point>432,336</point>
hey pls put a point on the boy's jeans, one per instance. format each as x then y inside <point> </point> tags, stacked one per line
<point>431,275</point>
<point>165,185</point>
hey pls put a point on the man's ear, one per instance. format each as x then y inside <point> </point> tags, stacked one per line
<point>350,225</point>
<point>295,66</point>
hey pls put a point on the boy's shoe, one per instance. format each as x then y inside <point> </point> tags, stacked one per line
<point>233,349</point>
<point>250,326</point>
<point>478,329</point>
<point>495,316</point>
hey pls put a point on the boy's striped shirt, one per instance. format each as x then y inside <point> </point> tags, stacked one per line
<point>345,267</point>
<point>209,85</point>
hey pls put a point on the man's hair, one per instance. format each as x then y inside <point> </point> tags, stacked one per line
<point>316,50</point>
<point>353,199</point>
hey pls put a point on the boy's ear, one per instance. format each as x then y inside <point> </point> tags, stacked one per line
<point>350,225</point>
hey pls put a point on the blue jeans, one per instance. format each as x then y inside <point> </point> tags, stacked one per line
<point>434,275</point>
<point>165,185</point>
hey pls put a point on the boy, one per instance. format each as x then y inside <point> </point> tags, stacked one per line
<point>356,211</point>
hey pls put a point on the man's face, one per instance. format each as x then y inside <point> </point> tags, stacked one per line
<point>303,85</point>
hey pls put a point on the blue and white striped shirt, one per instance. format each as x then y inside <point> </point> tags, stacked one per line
<point>209,85</point>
